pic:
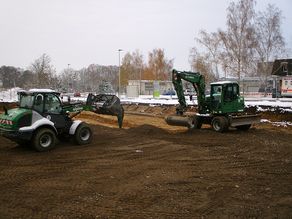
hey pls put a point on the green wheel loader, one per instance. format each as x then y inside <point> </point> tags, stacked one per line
<point>41,117</point>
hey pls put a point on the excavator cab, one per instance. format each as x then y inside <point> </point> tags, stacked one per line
<point>225,97</point>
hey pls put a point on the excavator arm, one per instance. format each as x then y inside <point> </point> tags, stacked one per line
<point>198,82</point>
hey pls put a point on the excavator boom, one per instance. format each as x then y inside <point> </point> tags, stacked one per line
<point>198,82</point>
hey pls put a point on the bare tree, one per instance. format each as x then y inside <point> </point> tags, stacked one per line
<point>200,63</point>
<point>159,65</point>
<point>132,67</point>
<point>44,71</point>
<point>239,38</point>
<point>270,42</point>
<point>9,76</point>
<point>212,44</point>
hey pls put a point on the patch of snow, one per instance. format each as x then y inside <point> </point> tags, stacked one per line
<point>42,90</point>
<point>278,124</point>
<point>10,95</point>
<point>284,104</point>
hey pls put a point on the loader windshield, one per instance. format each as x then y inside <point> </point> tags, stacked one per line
<point>26,101</point>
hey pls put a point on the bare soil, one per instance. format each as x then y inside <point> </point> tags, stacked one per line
<point>151,170</point>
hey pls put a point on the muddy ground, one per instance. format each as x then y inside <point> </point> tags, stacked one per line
<point>151,170</point>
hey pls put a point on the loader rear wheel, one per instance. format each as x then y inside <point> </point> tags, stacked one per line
<point>220,124</point>
<point>44,140</point>
<point>83,134</point>
<point>243,127</point>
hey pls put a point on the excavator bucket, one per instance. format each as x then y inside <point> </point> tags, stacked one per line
<point>106,104</point>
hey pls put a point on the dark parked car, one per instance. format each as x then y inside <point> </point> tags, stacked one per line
<point>169,92</point>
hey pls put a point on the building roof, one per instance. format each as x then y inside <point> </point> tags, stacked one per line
<point>282,67</point>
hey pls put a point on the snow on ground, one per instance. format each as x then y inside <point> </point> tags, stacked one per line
<point>9,95</point>
<point>285,103</point>
<point>278,124</point>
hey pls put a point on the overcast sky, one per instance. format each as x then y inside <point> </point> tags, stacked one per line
<point>82,32</point>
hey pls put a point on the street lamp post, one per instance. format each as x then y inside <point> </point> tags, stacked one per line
<point>119,50</point>
<point>68,77</point>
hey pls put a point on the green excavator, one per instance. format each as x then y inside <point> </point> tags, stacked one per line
<point>42,117</point>
<point>223,108</point>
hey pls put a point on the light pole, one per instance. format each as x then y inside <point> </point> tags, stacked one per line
<point>68,77</point>
<point>119,50</point>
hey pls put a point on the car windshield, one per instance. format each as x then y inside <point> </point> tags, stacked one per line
<point>26,101</point>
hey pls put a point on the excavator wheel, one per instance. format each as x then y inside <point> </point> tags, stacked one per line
<point>196,123</point>
<point>220,124</point>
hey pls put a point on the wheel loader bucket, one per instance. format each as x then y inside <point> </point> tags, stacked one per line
<point>106,104</point>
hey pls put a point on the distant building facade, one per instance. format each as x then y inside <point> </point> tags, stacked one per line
<point>282,72</point>
<point>147,87</point>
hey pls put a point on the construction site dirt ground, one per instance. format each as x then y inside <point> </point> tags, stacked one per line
<point>148,169</point>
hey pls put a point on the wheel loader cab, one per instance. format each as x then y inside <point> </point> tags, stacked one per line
<point>52,104</point>
<point>47,104</point>
<point>53,111</point>
<point>44,103</point>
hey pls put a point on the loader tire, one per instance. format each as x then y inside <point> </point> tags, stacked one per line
<point>44,139</point>
<point>83,134</point>
<point>220,124</point>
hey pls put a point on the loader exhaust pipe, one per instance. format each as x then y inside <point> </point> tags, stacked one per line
<point>185,121</point>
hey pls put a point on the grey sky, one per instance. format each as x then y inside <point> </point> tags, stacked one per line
<point>82,32</point>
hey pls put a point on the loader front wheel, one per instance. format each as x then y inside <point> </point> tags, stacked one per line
<point>220,124</point>
<point>44,139</point>
<point>83,134</point>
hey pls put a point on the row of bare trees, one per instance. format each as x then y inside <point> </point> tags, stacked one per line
<point>97,78</point>
<point>94,78</point>
<point>251,38</point>
<point>40,74</point>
